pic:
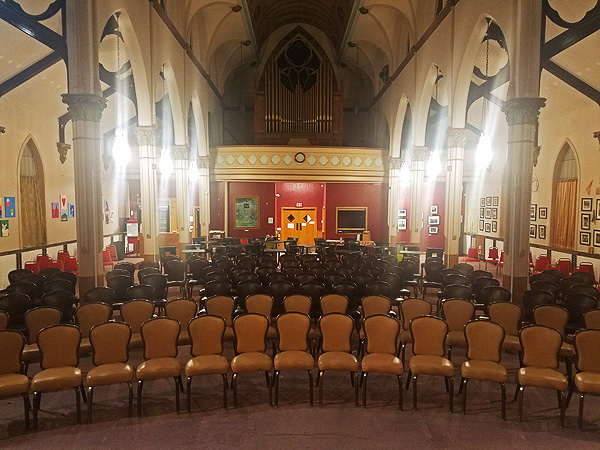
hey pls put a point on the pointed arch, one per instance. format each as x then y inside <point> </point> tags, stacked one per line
<point>422,112</point>
<point>175,101</point>
<point>201,135</point>
<point>399,127</point>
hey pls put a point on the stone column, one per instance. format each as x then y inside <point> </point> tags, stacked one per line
<point>394,185</point>
<point>455,144</point>
<point>204,194</point>
<point>148,139</point>
<point>419,156</point>
<point>181,155</point>
<point>522,117</point>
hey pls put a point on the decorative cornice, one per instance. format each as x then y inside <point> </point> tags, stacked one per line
<point>63,150</point>
<point>395,163</point>
<point>523,110</point>
<point>85,107</point>
<point>147,135</point>
<point>456,137</point>
<point>180,152</point>
<point>203,162</point>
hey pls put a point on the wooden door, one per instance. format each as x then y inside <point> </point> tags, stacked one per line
<point>300,223</point>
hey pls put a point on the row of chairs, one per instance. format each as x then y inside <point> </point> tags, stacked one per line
<point>64,262</point>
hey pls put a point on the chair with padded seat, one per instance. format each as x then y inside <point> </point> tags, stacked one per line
<point>541,345</point>
<point>540,277</point>
<point>110,343</point>
<point>69,276</point>
<point>159,282</point>
<point>429,338</point>
<point>432,278</point>
<point>453,291</point>
<point>126,265</point>
<point>548,286</point>
<point>250,347</point>
<point>49,272</point>
<point>336,350</point>
<point>411,277</point>
<point>16,305</point>
<point>182,310</point>
<point>491,294</point>
<point>135,313</point>
<point>224,307</point>
<point>493,256</point>
<point>4,319</point>
<point>315,290</point>
<point>146,264</point>
<point>587,379</point>
<point>556,317</point>
<point>507,315</point>
<point>63,300</point>
<point>36,279</point>
<point>144,291</point>
<point>59,345</point>
<point>484,353</point>
<point>577,305</point>
<point>159,336</point>
<point>142,273</point>
<point>279,290</point>
<point>86,317</point>
<point>584,289</point>
<point>409,309</point>
<point>206,337</point>
<point>479,284</point>
<point>99,294</point>
<point>592,319</point>
<point>372,305</point>
<point>12,381</point>
<point>533,298</point>
<point>175,270</point>
<point>457,313</point>
<point>59,285</point>
<point>472,256</point>
<point>464,268</point>
<point>37,319</point>
<point>586,277</point>
<point>293,348</point>
<point>381,351</point>
<point>334,303</point>
<point>120,284</point>
<point>263,304</point>
<point>247,288</point>
<point>16,275</point>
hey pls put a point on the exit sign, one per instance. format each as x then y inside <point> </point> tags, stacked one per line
<point>298,204</point>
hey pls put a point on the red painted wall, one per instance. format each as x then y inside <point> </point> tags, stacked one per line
<point>309,194</point>
<point>266,194</point>
<point>433,194</point>
<point>217,205</point>
<point>372,195</point>
<point>403,203</point>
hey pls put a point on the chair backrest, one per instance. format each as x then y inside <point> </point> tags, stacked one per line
<point>539,277</point>
<point>110,342</point>
<point>293,328</point>
<point>142,273</point>
<point>541,262</point>
<point>472,253</point>
<point>146,264</point>
<point>540,346</point>
<point>297,303</point>
<point>69,276</point>
<point>16,274</point>
<point>38,318</point>
<point>478,284</point>
<point>160,337</point>
<point>336,331</point>
<point>411,308</point>
<point>587,347</point>
<point>120,284</point>
<point>126,265</point>
<point>206,335</point>
<point>457,313</point>
<point>455,278</point>
<point>578,305</point>
<point>159,283</point>
<point>260,304</point>
<point>552,316</point>
<point>493,253</point>
<point>4,318</point>
<point>508,315</point>
<point>59,285</point>
<point>536,297</point>
<point>584,289</point>
<point>592,319</point>
<point>63,300</point>
<point>71,264</point>
<point>331,303</point>
<point>91,314</point>
<point>11,343</point>
<point>248,288</point>
<point>457,291</point>
<point>222,306</point>
<point>492,294</point>
<point>216,276</point>
<point>587,277</point>
<point>49,272</point>
<point>464,268</point>
<point>112,251</point>
<point>182,310</point>
<point>304,277</point>
<point>250,332</point>
<point>217,287</point>
<point>99,294</point>
<point>16,305</point>
<point>140,291</point>
<point>136,312</point>
<point>484,340</point>
<point>433,271</point>
<point>379,287</point>
<point>116,272</point>
<point>375,304</point>
<point>381,333</point>
<point>548,286</point>
<point>59,346</point>
<point>428,335</point>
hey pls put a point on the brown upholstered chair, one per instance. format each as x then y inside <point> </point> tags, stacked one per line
<point>372,305</point>
<point>381,333</point>
<point>134,313</point>
<point>293,329</point>
<point>250,347</point>
<point>110,343</point>
<point>35,320</point>
<point>592,319</point>
<point>587,380</point>
<point>262,304</point>
<point>87,316</point>
<point>429,337</point>
<point>336,331</point>
<point>59,345</point>
<point>541,345</point>
<point>409,309</point>
<point>222,306</point>
<point>457,313</point>
<point>12,381</point>
<point>331,303</point>
<point>297,303</point>
<point>182,310</point>
<point>508,315</point>
<point>159,336</point>
<point>3,320</point>
<point>484,346</point>
<point>206,336</point>
<point>556,317</point>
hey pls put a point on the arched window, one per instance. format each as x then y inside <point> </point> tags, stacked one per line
<point>564,204</point>
<point>31,181</point>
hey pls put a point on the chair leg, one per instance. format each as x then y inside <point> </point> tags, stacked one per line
<point>450,354</point>
<point>320,383</point>
<point>403,354</point>
<point>451,393</point>
<point>446,384</point>
<point>364,387</point>
<point>36,406</point>
<point>78,405</point>
<point>414,390</point>
<point>355,378</point>
<point>276,379</point>
<point>83,394</point>
<point>130,405</point>
<point>408,379</point>
<point>580,416</point>
<point>267,378</point>
<point>352,378</point>
<point>517,392</point>
<point>27,407</point>
<point>559,398</point>
<point>178,385</point>
<point>520,391</point>
<point>463,387</point>
<point>234,389</point>
<point>89,403</point>
<point>562,409</point>
<point>270,385</point>
<point>503,401</point>
<point>400,392</point>
<point>224,375</point>
<point>189,395</point>
<point>139,397</point>
<point>310,390</point>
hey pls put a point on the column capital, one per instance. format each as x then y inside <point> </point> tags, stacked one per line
<point>86,107</point>
<point>523,110</point>
<point>62,149</point>
<point>395,163</point>
<point>420,153</point>
<point>180,152</point>
<point>203,162</point>
<point>456,137</point>
<point>148,135</point>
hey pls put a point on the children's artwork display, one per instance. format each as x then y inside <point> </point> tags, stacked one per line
<point>9,207</point>
<point>71,209</point>
<point>3,228</point>
<point>63,203</point>
<point>55,211</point>
<point>64,216</point>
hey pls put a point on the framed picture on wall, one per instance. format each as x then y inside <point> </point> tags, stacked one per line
<point>543,213</point>
<point>532,231</point>
<point>598,209</point>
<point>482,201</point>
<point>481,213</point>
<point>542,231</point>
<point>494,213</point>
<point>434,210</point>
<point>488,201</point>
<point>401,224</point>
<point>433,220</point>
<point>586,204</point>
<point>246,212</point>
<point>585,221</point>
<point>533,212</point>
<point>495,201</point>
<point>433,230</point>
<point>596,238</point>
<point>494,227</point>
<point>585,238</point>
<point>488,213</point>
<point>481,225</point>
<point>488,227</point>
<point>401,213</point>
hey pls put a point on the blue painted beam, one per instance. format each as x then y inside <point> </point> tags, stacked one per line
<point>28,73</point>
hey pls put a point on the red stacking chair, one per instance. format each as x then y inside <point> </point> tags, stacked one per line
<point>106,261</point>
<point>541,263</point>
<point>492,256</point>
<point>43,261</point>
<point>71,265</point>
<point>62,255</point>
<point>564,265</point>
<point>112,250</point>
<point>500,261</point>
<point>33,266</point>
<point>58,264</point>
<point>531,265</point>
<point>472,256</point>
<point>585,267</point>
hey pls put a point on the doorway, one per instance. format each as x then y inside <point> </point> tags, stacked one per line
<point>299,223</point>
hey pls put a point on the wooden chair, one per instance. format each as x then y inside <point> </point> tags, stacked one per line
<point>587,380</point>
<point>457,313</point>
<point>12,381</point>
<point>409,309</point>
<point>183,310</point>
<point>86,317</point>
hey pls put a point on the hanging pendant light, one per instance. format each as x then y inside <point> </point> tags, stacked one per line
<point>120,151</point>
<point>404,174</point>
<point>165,163</point>
<point>193,172</point>
<point>484,153</point>
<point>434,164</point>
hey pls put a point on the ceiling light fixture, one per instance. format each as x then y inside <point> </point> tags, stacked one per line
<point>484,153</point>
<point>120,152</point>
